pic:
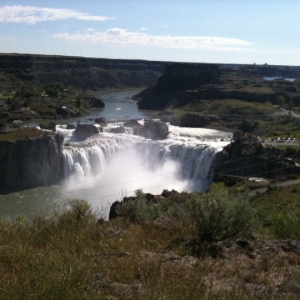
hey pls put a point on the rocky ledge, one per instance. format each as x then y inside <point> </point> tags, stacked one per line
<point>247,157</point>
<point>29,163</point>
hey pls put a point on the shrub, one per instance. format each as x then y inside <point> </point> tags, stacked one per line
<point>48,125</point>
<point>290,151</point>
<point>139,209</point>
<point>292,176</point>
<point>77,210</point>
<point>286,223</point>
<point>219,215</point>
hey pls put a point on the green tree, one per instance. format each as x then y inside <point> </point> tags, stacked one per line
<point>54,89</point>
<point>78,102</point>
<point>280,100</point>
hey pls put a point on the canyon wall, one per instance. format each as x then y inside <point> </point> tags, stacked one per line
<point>176,79</point>
<point>246,157</point>
<point>81,72</point>
<point>29,163</point>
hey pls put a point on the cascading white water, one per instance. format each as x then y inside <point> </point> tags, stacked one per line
<point>66,133</point>
<point>109,166</point>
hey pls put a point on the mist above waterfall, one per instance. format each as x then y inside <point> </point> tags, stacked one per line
<point>122,176</point>
<point>108,166</point>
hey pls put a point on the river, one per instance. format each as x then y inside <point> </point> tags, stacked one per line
<point>109,166</point>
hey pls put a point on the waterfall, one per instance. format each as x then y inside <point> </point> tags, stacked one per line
<point>191,157</point>
<point>66,133</point>
<point>108,166</point>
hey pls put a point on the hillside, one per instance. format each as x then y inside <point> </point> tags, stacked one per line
<point>195,83</point>
<point>81,72</point>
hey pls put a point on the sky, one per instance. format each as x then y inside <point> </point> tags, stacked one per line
<point>209,31</point>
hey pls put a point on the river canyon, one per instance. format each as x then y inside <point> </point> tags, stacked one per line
<point>108,166</point>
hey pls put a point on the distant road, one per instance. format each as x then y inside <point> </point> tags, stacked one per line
<point>285,112</point>
<point>280,184</point>
<point>287,183</point>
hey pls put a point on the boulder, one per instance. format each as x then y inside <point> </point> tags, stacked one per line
<point>116,208</point>
<point>96,102</point>
<point>100,120</point>
<point>71,126</point>
<point>84,131</point>
<point>237,135</point>
<point>100,283</point>
<point>119,129</point>
<point>191,120</point>
<point>63,112</point>
<point>132,123</point>
<point>247,126</point>
<point>154,129</point>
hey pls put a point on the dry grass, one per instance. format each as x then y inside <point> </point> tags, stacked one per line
<point>75,255</point>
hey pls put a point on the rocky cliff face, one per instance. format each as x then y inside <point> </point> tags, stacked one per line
<point>187,76</point>
<point>30,163</point>
<point>171,86</point>
<point>247,157</point>
<point>81,72</point>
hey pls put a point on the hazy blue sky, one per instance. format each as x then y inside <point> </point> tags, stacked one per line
<point>224,31</point>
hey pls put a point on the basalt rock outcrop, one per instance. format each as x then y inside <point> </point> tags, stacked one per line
<point>100,120</point>
<point>194,120</point>
<point>119,129</point>
<point>247,157</point>
<point>154,129</point>
<point>30,163</point>
<point>96,102</point>
<point>84,131</point>
<point>177,78</point>
<point>117,211</point>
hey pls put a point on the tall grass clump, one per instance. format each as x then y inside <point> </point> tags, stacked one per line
<point>219,214</point>
<point>286,223</point>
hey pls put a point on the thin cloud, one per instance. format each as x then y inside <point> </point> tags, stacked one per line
<point>121,37</point>
<point>164,26</point>
<point>143,29</point>
<point>33,15</point>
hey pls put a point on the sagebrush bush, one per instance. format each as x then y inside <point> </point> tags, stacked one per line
<point>140,209</point>
<point>286,223</point>
<point>219,214</point>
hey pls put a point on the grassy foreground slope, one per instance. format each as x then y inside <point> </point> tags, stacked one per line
<point>188,246</point>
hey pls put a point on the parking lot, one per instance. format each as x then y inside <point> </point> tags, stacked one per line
<point>281,141</point>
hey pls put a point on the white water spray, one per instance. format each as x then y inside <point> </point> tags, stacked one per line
<point>108,166</point>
